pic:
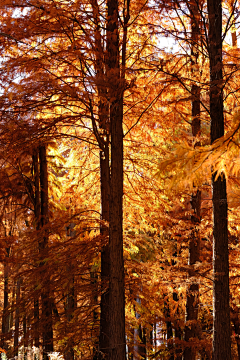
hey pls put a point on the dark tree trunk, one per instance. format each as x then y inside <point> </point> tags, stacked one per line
<point>191,329</point>
<point>137,334</point>
<point>47,329</point>
<point>17,311</point>
<point>116,283</point>
<point>94,298</point>
<point>70,299</point>
<point>5,316</point>
<point>70,307</point>
<point>36,322</point>
<point>37,214</point>
<point>221,311</point>
<point>169,330</point>
<point>143,337</point>
<point>178,330</point>
<point>11,315</point>
<point>103,140</point>
<point>25,336</point>
<point>105,193</point>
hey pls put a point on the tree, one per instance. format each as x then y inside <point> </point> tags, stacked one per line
<point>117,341</point>
<point>192,302</point>
<point>221,309</point>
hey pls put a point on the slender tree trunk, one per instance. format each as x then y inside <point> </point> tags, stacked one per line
<point>105,261</point>
<point>94,298</point>
<point>70,299</point>
<point>169,330</point>
<point>11,315</point>
<point>143,337</point>
<point>37,214</point>
<point>191,328</point>
<point>70,307</point>
<point>178,330</point>
<point>137,335</point>
<point>25,340</point>
<point>221,311</point>
<point>5,316</point>
<point>36,322</point>
<point>116,283</point>
<point>103,140</point>
<point>47,329</point>
<point>17,311</point>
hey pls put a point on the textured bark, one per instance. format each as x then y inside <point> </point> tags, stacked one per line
<point>70,305</point>
<point>37,205</point>
<point>37,214</point>
<point>178,330</point>
<point>116,283</point>
<point>105,261</point>
<point>221,311</point>
<point>36,322</point>
<point>103,140</point>
<point>11,315</point>
<point>16,330</point>
<point>143,337</point>
<point>192,303</point>
<point>5,316</point>
<point>169,331</point>
<point>25,336</point>
<point>137,349</point>
<point>47,329</point>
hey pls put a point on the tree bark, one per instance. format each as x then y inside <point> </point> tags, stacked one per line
<point>47,329</point>
<point>191,328</point>
<point>37,214</point>
<point>221,311</point>
<point>17,311</point>
<point>105,261</point>
<point>143,337</point>
<point>5,316</point>
<point>169,328</point>
<point>25,335</point>
<point>116,283</point>
<point>70,299</point>
<point>137,333</point>
<point>103,140</point>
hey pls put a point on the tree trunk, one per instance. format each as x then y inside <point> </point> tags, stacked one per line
<point>143,337</point>
<point>11,315</point>
<point>47,330</point>
<point>178,330</point>
<point>191,328</point>
<point>17,311</point>
<point>103,140</point>
<point>116,283</point>
<point>37,214</point>
<point>70,301</point>
<point>221,311</point>
<point>5,316</point>
<point>25,336</point>
<point>169,330</point>
<point>137,350</point>
<point>105,261</point>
